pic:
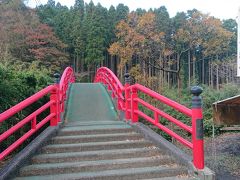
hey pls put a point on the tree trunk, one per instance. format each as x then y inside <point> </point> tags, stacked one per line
<point>212,77</point>
<point>77,63</point>
<point>88,72</point>
<point>209,73</point>
<point>189,68</point>
<point>179,76</point>
<point>194,68</point>
<point>82,63</point>
<point>74,63</point>
<point>217,78</point>
<point>203,69</point>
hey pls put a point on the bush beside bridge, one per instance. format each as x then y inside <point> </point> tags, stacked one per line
<point>16,84</point>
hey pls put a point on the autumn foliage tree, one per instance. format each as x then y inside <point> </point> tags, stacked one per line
<point>25,39</point>
<point>171,49</point>
<point>45,47</point>
<point>136,38</point>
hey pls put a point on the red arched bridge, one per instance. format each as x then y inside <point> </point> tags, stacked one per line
<point>94,133</point>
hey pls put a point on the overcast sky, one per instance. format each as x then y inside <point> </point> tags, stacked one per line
<point>223,9</point>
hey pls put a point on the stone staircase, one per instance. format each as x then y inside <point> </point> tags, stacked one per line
<point>101,150</point>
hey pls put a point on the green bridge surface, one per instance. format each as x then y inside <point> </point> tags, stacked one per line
<point>90,102</point>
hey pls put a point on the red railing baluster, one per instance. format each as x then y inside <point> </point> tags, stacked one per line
<point>119,101</point>
<point>54,108</point>
<point>134,103</point>
<point>113,88</point>
<point>127,96</point>
<point>156,117</point>
<point>197,127</point>
<point>127,102</point>
<point>34,122</point>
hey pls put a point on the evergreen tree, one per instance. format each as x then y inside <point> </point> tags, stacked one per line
<point>122,12</point>
<point>231,25</point>
<point>163,20</point>
<point>96,19</point>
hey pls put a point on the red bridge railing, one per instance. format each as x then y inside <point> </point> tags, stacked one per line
<point>130,101</point>
<point>107,77</point>
<point>66,79</point>
<point>56,103</point>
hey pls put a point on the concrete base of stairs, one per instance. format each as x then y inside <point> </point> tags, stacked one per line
<point>172,150</point>
<point>23,157</point>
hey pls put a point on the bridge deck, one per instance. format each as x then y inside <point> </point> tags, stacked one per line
<point>90,102</point>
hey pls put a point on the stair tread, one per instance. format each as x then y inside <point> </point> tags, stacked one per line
<point>116,172</point>
<point>93,146</point>
<point>95,127</point>
<point>97,135</point>
<point>46,166</point>
<point>98,143</point>
<point>93,123</point>
<point>100,154</point>
<point>75,130</point>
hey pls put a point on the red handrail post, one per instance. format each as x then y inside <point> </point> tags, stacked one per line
<point>112,89</point>
<point>119,92</point>
<point>109,84</point>
<point>72,80</point>
<point>127,96</point>
<point>34,123</point>
<point>55,107</point>
<point>134,96</point>
<point>197,128</point>
<point>61,101</point>
<point>127,102</point>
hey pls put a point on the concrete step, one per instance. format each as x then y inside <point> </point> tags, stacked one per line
<point>98,165</point>
<point>98,126</point>
<point>96,155</point>
<point>93,146</point>
<point>96,138</point>
<point>79,130</point>
<point>116,174</point>
<point>93,123</point>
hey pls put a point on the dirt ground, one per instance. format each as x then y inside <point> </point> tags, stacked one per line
<point>222,155</point>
